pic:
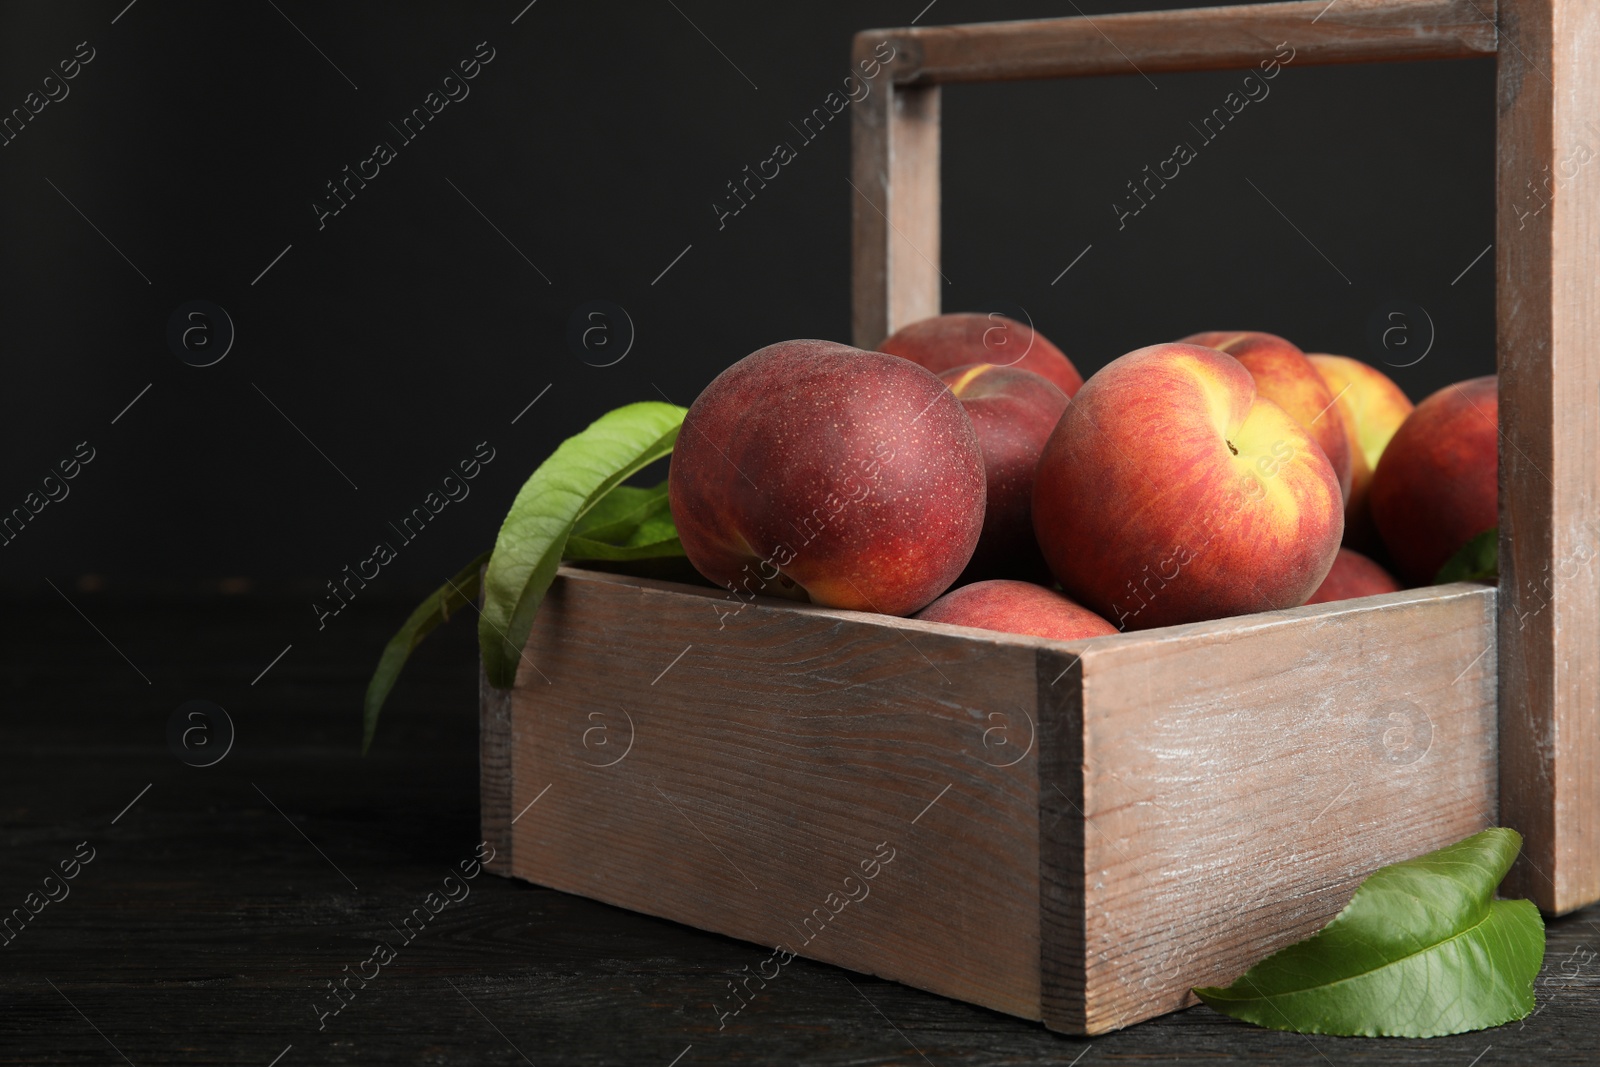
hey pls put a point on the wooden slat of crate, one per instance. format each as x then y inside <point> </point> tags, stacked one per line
<point>1239,778</point>
<point>1547,251</point>
<point>767,762</point>
<point>1201,38</point>
<point>1182,838</point>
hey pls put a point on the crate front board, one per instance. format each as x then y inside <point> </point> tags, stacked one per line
<point>1081,831</point>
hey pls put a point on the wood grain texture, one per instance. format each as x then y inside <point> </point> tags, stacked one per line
<point>735,777</point>
<point>494,766</point>
<point>1204,38</point>
<point>1063,931</point>
<point>494,771</point>
<point>894,164</point>
<point>1239,778</point>
<point>1548,228</point>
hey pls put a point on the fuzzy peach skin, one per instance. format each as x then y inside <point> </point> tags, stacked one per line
<point>1437,485</point>
<point>1353,575</point>
<point>1016,608</point>
<point>1285,376</point>
<point>1171,492</point>
<point>1372,408</point>
<point>818,471</point>
<point>959,339</point>
<point>1013,412</point>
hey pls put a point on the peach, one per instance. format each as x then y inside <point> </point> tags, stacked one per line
<point>1372,408</point>
<point>1172,491</point>
<point>1285,376</point>
<point>1016,608</point>
<point>820,472</point>
<point>1436,487</point>
<point>1013,412</point>
<point>1353,575</point>
<point>956,340</point>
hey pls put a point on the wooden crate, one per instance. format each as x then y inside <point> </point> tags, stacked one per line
<point>1079,832</point>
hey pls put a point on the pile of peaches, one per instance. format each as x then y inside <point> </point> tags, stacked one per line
<point>967,474</point>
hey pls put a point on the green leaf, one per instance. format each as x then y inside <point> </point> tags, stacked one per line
<point>1422,949</point>
<point>617,514</point>
<point>581,548</point>
<point>444,601</point>
<point>627,523</point>
<point>558,495</point>
<point>1478,561</point>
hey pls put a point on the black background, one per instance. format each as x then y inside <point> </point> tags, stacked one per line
<point>378,351</point>
<point>407,329</point>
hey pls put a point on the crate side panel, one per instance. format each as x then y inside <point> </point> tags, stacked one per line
<point>755,779</point>
<point>1061,828</point>
<point>1237,788</point>
<point>495,790</point>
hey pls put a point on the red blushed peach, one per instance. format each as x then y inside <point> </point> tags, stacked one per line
<point>821,472</point>
<point>1436,487</point>
<point>1353,575</point>
<point>1372,408</point>
<point>1016,608</point>
<point>957,340</point>
<point>1013,412</point>
<point>1171,491</point>
<point>1285,376</point>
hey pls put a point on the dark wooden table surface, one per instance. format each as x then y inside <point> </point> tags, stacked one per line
<point>221,901</point>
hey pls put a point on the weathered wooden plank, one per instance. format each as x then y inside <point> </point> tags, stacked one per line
<point>494,771</point>
<point>894,165</point>
<point>1548,302</point>
<point>1236,780</point>
<point>1202,38</point>
<point>494,768</point>
<point>1063,888</point>
<point>753,762</point>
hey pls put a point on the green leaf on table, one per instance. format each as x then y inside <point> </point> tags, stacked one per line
<point>627,523</point>
<point>559,495</point>
<point>443,602</point>
<point>1478,561</point>
<point>1422,949</point>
